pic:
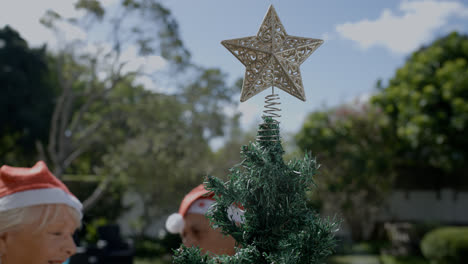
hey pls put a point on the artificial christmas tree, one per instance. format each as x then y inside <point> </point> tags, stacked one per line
<point>278,224</point>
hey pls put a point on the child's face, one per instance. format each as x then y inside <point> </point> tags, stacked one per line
<point>198,232</point>
<point>51,245</point>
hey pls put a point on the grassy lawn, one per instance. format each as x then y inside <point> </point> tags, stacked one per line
<point>354,259</point>
<point>151,261</point>
<point>402,260</point>
<point>375,259</point>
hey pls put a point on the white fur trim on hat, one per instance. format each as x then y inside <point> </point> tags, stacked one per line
<point>175,223</point>
<point>200,206</point>
<point>40,196</point>
<point>236,214</point>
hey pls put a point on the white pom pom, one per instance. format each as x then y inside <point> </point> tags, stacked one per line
<point>236,214</point>
<point>175,223</point>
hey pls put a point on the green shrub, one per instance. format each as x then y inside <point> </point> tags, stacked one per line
<point>151,261</point>
<point>367,248</point>
<point>387,259</point>
<point>91,236</point>
<point>448,245</point>
<point>351,259</point>
<point>149,247</point>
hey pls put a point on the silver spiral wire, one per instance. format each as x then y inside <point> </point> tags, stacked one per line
<point>271,109</point>
<point>270,132</point>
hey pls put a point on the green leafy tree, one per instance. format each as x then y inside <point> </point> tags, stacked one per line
<point>279,226</point>
<point>206,96</point>
<point>354,147</point>
<point>427,102</point>
<point>158,156</point>
<point>86,78</point>
<point>227,155</point>
<point>27,99</point>
<point>87,105</point>
<point>148,24</point>
<point>105,129</point>
<point>164,144</point>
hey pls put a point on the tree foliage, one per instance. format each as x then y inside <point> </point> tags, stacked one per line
<point>228,155</point>
<point>278,226</point>
<point>163,147</point>
<point>27,99</point>
<point>148,24</point>
<point>411,135</point>
<point>103,126</point>
<point>97,110</point>
<point>354,148</point>
<point>427,102</point>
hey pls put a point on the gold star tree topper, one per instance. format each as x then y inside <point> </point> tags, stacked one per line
<point>272,58</point>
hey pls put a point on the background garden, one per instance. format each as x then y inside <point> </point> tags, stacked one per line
<point>131,153</point>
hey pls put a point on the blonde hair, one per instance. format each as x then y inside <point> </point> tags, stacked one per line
<point>39,215</point>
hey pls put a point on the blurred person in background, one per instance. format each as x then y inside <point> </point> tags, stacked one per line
<point>38,216</point>
<point>194,227</point>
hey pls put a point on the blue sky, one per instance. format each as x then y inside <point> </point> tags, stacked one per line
<point>365,40</point>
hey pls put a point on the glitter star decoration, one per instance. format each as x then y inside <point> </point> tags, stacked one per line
<point>272,58</point>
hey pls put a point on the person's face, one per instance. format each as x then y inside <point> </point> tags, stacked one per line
<point>198,232</point>
<point>51,245</point>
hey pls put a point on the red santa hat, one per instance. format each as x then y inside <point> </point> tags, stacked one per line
<point>22,187</point>
<point>197,201</point>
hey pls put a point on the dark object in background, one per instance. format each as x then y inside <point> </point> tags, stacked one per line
<point>156,247</point>
<point>405,237</point>
<point>110,249</point>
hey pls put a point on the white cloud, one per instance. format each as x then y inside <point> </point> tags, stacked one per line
<point>107,3</point>
<point>69,32</point>
<point>27,22</point>
<point>406,32</point>
<point>147,83</point>
<point>97,48</point>
<point>24,16</point>
<point>146,66</point>
<point>130,57</point>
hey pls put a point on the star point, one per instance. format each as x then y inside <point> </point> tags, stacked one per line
<point>272,58</point>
